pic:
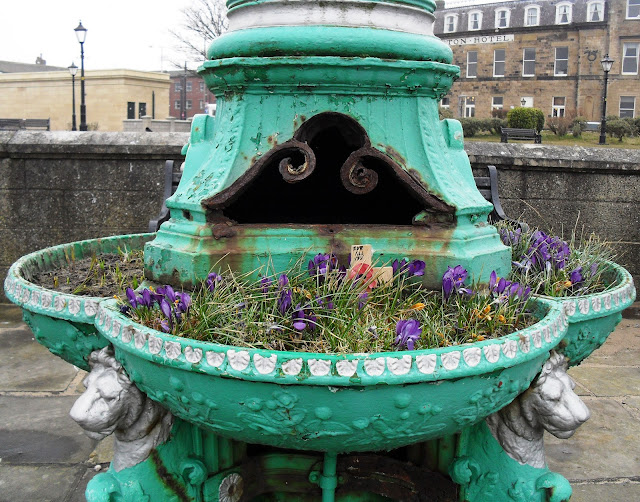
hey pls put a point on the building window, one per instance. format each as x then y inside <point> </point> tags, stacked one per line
<point>472,64</point>
<point>131,110</point>
<point>201,86</point>
<point>561,66</point>
<point>189,104</point>
<point>498,62</point>
<point>444,102</point>
<point>630,58</point>
<point>532,16</point>
<point>176,104</point>
<point>497,103</point>
<point>633,9</point>
<point>470,106</point>
<point>450,23</point>
<point>558,106</point>
<point>502,18</point>
<point>627,106</point>
<point>595,12</point>
<point>528,62</point>
<point>201,105</point>
<point>177,86</point>
<point>189,86</point>
<point>475,20</point>
<point>563,13</point>
<point>142,110</point>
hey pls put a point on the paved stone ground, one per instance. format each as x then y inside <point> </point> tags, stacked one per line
<point>45,456</point>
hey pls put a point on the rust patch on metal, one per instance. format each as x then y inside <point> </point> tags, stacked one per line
<point>167,479</point>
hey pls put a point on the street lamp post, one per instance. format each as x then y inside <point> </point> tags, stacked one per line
<point>73,69</point>
<point>606,63</point>
<point>81,34</point>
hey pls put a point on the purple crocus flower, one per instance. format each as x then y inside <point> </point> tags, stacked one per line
<point>322,264</point>
<point>284,300</point>
<point>398,266</point>
<point>183,302</point>
<point>416,268</point>
<point>299,319</point>
<point>575,276</point>
<point>453,280</point>
<point>145,300</point>
<point>362,300</point>
<point>131,296</point>
<point>212,280</point>
<point>283,280</point>
<point>165,307</point>
<point>408,332</point>
<point>493,279</point>
<point>594,268</point>
<point>168,292</point>
<point>265,284</point>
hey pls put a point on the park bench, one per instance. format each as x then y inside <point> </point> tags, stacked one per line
<point>519,134</point>
<point>487,186</point>
<point>16,124</point>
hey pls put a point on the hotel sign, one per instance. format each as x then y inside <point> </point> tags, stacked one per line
<point>488,39</point>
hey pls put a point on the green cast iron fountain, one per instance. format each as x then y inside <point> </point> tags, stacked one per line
<point>326,135</point>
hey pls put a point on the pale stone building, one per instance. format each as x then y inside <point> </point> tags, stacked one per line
<point>542,53</point>
<point>111,97</point>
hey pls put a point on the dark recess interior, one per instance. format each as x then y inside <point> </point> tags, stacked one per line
<point>321,198</point>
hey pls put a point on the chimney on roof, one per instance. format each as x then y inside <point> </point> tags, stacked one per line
<point>439,4</point>
<point>41,61</point>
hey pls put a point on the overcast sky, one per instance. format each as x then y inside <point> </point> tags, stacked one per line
<point>132,34</point>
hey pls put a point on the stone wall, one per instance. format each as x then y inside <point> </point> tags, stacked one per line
<point>557,188</point>
<point>59,187</point>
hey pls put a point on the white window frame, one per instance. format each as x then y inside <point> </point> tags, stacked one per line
<point>176,104</point>
<point>633,110</point>
<point>454,17</point>
<point>470,20</point>
<point>524,61</point>
<point>558,110</point>
<point>504,62</point>
<point>495,106</point>
<point>555,62</point>
<point>560,10</point>
<point>189,104</point>
<point>443,105</point>
<point>469,106</point>
<point>177,86</point>
<point>507,18</point>
<point>474,63</point>
<point>635,4</point>
<point>526,15</point>
<point>591,6</point>
<point>201,86</point>
<point>625,57</point>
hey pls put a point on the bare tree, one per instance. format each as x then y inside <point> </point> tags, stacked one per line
<point>203,21</point>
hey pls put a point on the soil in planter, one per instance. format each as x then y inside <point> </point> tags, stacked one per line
<point>103,275</point>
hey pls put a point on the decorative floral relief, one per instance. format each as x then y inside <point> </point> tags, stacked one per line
<point>596,303</point>
<point>239,360</point>
<point>74,305</point>
<point>472,356</point>
<point>192,355</point>
<point>450,360</point>
<point>26,295</point>
<point>616,297</point>
<point>537,339</point>
<point>172,349</point>
<point>546,334</point>
<point>215,359</point>
<point>265,365</point>
<point>492,352</point>
<point>510,348</point>
<point>524,342</point>
<point>292,367</point>
<point>127,334</point>
<point>274,416</point>
<point>18,290</point>
<point>607,301</point>
<point>155,344</point>
<point>90,308</point>
<point>107,323</point>
<point>399,366</point>
<point>101,316</point>
<point>115,331</point>
<point>231,488</point>
<point>374,366</point>
<point>140,338</point>
<point>319,367</point>
<point>35,298</point>
<point>570,307</point>
<point>624,294</point>
<point>346,368</point>
<point>47,299</point>
<point>583,305</point>
<point>426,364</point>
<point>59,303</point>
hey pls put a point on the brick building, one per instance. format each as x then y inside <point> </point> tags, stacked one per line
<point>195,99</point>
<point>544,54</point>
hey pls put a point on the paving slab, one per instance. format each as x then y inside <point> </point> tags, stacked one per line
<point>40,430</point>
<point>605,381</point>
<point>41,483</point>
<point>28,366</point>
<point>627,491</point>
<point>622,347</point>
<point>606,446</point>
